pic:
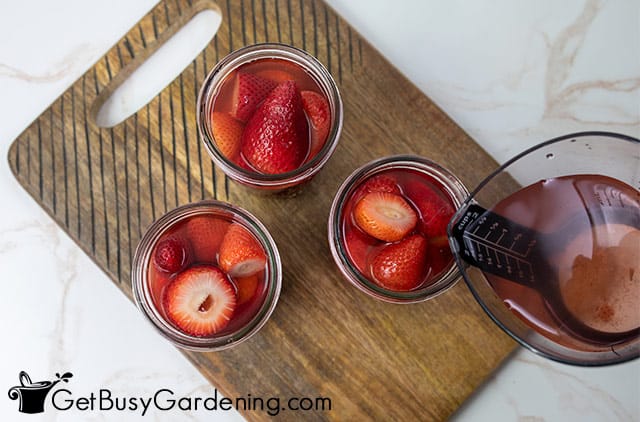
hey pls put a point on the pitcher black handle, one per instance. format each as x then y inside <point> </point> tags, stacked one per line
<point>477,235</point>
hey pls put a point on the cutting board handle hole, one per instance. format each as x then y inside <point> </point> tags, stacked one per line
<point>142,80</point>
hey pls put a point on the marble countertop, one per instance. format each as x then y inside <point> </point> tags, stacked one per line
<point>511,73</point>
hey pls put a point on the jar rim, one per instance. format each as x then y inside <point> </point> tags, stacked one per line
<point>316,71</point>
<point>452,186</point>
<point>142,258</point>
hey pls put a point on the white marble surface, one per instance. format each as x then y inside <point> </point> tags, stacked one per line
<point>511,73</point>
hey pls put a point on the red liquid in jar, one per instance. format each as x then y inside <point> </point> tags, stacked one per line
<point>598,266</point>
<point>250,291</point>
<point>241,104</point>
<point>363,248</point>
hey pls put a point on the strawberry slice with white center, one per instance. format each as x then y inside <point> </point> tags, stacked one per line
<point>385,216</point>
<point>248,92</point>
<point>200,301</point>
<point>241,255</point>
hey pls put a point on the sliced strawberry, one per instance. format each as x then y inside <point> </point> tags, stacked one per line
<point>227,133</point>
<point>200,301</point>
<point>172,254</point>
<point>435,211</point>
<point>276,138</point>
<point>317,109</point>
<point>385,216</point>
<point>240,253</point>
<point>205,232</point>
<point>358,245</point>
<point>380,183</point>
<point>401,266</point>
<point>247,287</point>
<point>248,92</point>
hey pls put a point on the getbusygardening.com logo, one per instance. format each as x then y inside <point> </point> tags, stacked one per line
<point>32,398</point>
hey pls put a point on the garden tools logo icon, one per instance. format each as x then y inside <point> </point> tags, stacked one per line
<point>31,395</point>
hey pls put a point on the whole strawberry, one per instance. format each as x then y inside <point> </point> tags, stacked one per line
<point>380,183</point>
<point>276,138</point>
<point>401,266</point>
<point>435,211</point>
<point>172,254</point>
<point>205,233</point>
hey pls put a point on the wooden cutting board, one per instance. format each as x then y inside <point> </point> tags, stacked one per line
<point>104,187</point>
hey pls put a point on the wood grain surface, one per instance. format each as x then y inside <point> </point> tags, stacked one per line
<point>104,187</point>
